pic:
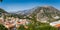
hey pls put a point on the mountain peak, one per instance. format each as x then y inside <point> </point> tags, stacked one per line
<point>46,6</point>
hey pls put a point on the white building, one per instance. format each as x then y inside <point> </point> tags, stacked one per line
<point>55,23</point>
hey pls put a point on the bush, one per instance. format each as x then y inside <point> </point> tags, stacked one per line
<point>37,26</point>
<point>2,27</point>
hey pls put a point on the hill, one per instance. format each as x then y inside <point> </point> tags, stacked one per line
<point>45,14</point>
<point>2,10</point>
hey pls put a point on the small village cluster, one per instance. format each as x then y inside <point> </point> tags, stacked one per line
<point>11,22</point>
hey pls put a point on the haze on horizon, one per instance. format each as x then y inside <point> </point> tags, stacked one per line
<point>19,5</point>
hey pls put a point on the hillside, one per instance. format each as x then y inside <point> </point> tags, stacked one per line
<point>46,13</point>
<point>2,10</point>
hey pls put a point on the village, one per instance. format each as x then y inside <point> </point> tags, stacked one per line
<point>11,22</point>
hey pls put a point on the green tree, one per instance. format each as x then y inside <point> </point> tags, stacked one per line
<point>3,27</point>
<point>2,10</point>
<point>1,0</point>
<point>21,28</point>
<point>42,26</point>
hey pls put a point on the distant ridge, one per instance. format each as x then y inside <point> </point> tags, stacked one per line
<point>2,10</point>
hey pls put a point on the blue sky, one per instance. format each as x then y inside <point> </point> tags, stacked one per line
<point>19,5</point>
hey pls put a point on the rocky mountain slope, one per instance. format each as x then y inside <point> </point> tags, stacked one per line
<point>43,13</point>
<point>46,13</point>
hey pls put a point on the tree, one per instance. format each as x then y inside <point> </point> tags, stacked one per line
<point>43,26</point>
<point>21,28</point>
<point>3,27</point>
<point>2,10</point>
<point>1,0</point>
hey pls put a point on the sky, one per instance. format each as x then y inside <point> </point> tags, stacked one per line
<point>20,5</point>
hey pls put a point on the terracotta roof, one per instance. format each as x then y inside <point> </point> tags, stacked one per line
<point>9,25</point>
<point>57,25</point>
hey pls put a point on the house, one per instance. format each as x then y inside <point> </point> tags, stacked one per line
<point>55,24</point>
<point>22,22</point>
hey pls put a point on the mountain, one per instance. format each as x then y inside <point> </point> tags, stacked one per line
<point>21,12</point>
<point>46,13</point>
<point>26,12</point>
<point>42,13</point>
<point>2,10</point>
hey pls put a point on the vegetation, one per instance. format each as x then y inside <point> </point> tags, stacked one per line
<point>3,27</point>
<point>2,10</point>
<point>38,26</point>
<point>1,0</point>
<point>35,25</point>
